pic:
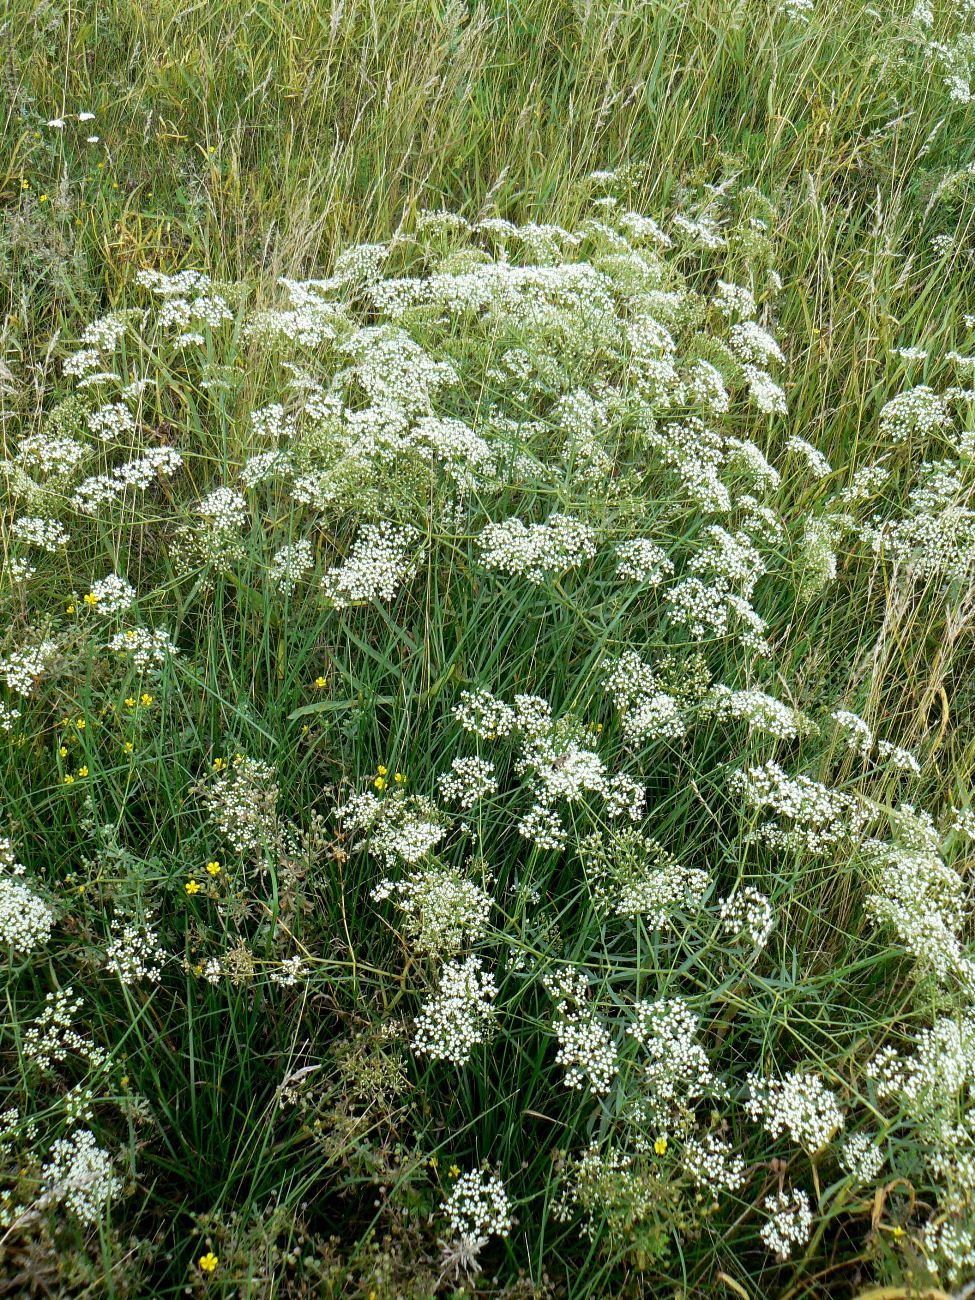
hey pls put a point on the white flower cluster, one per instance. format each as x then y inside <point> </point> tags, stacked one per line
<point>586,1050</point>
<point>816,462</point>
<point>856,732</point>
<point>630,874</point>
<point>395,828</point>
<point>263,467</point>
<point>224,509</point>
<point>919,411</point>
<point>26,921</point>
<point>48,534</point>
<point>642,560</point>
<point>761,712</point>
<point>817,817</point>
<point>477,1207</point>
<point>443,910</point>
<point>8,717</point>
<point>799,1104</point>
<point>648,711</point>
<point>790,1222</point>
<point>290,565</point>
<point>920,897</point>
<point>747,913</point>
<point>534,551</point>
<point>712,1163</point>
<point>78,1176</point>
<point>862,1158</point>
<point>188,300</point>
<point>468,780</point>
<point>242,803</point>
<point>57,455</point>
<point>459,1015</point>
<point>138,474</point>
<point>149,649</point>
<point>21,669</point>
<point>113,421</point>
<point>676,1072</point>
<point>861,740</point>
<point>52,1038</point>
<point>484,715</point>
<point>134,953</point>
<point>111,595</point>
<point>383,557</point>
<point>935,536</point>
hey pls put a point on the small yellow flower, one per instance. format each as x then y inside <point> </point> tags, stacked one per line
<point>660,1146</point>
<point>80,723</point>
<point>63,751</point>
<point>380,783</point>
<point>145,698</point>
<point>70,609</point>
<point>433,1162</point>
<point>213,868</point>
<point>91,598</point>
<point>198,969</point>
<point>124,1081</point>
<point>192,887</point>
<point>399,778</point>
<point>25,184</point>
<point>130,635</point>
<point>208,1262</point>
<point>454,1171</point>
<point>219,764</point>
<point>68,779</point>
<point>82,771</point>
<point>129,702</point>
<point>898,1232</point>
<point>128,747</point>
<point>381,771</point>
<point>321,683</point>
<point>43,198</point>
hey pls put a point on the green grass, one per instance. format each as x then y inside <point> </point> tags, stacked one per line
<point>257,141</point>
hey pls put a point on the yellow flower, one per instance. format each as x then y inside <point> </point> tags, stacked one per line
<point>128,747</point>
<point>124,1081</point>
<point>129,702</point>
<point>660,1146</point>
<point>433,1162</point>
<point>192,887</point>
<point>70,609</point>
<point>68,779</point>
<point>380,783</point>
<point>321,683</point>
<point>25,184</point>
<point>399,778</point>
<point>130,635</point>
<point>208,1262</point>
<point>91,598</point>
<point>454,1171</point>
<point>219,764</point>
<point>82,771</point>
<point>898,1232</point>
<point>80,724</point>
<point>198,969</point>
<point>213,868</point>
<point>63,751</point>
<point>381,771</point>
<point>43,198</point>
<point>145,698</point>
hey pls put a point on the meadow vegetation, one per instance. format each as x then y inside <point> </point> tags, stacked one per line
<point>487,756</point>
